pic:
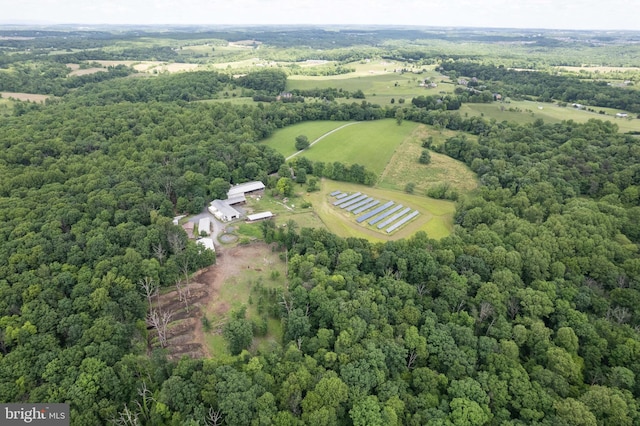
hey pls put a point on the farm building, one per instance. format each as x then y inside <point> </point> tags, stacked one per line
<point>622,115</point>
<point>259,216</point>
<point>207,243</point>
<point>204,225</point>
<point>245,188</point>
<point>238,199</point>
<point>223,211</point>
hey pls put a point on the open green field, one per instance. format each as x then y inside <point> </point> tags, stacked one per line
<point>284,140</point>
<point>404,168</point>
<point>436,216</point>
<point>370,144</point>
<point>528,111</point>
<point>377,80</point>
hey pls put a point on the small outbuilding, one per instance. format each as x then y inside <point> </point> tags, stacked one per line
<point>207,243</point>
<point>204,225</point>
<point>259,216</point>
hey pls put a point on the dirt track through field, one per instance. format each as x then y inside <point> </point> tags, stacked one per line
<point>322,137</point>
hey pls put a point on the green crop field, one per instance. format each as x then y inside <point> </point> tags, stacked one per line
<point>284,140</point>
<point>527,112</point>
<point>370,144</point>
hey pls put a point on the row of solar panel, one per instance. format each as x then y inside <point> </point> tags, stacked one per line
<point>358,203</point>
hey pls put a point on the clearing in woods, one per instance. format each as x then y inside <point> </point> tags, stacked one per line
<point>215,291</point>
<point>31,97</point>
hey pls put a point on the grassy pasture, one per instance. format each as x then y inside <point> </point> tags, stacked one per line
<point>404,168</point>
<point>377,80</point>
<point>528,112</point>
<point>284,140</point>
<point>370,144</point>
<point>436,216</point>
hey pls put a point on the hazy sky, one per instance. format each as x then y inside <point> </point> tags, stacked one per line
<point>567,14</point>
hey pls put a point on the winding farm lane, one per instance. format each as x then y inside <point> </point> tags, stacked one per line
<point>322,137</point>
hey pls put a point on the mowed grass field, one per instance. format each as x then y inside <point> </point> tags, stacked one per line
<point>284,140</point>
<point>404,168</point>
<point>436,216</point>
<point>528,112</point>
<point>370,144</point>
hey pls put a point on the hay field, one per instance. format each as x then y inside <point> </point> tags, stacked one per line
<point>404,168</point>
<point>528,112</point>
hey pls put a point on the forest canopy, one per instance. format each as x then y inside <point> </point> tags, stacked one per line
<point>528,313</point>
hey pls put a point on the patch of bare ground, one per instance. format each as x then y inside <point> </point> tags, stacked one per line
<point>32,97</point>
<point>86,71</point>
<point>184,334</point>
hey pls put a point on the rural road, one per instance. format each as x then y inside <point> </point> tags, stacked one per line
<point>322,137</point>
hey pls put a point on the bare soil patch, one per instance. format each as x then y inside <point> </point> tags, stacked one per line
<point>185,334</point>
<point>32,97</point>
<point>86,71</point>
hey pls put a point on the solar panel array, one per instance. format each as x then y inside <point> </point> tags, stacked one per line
<point>352,202</point>
<point>374,212</point>
<point>359,204</point>
<point>394,218</point>
<point>402,221</point>
<point>366,207</point>
<point>345,199</point>
<point>387,213</point>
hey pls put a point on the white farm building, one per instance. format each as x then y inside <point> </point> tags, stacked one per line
<point>204,225</point>
<point>207,243</point>
<point>245,188</point>
<point>259,216</point>
<point>223,211</point>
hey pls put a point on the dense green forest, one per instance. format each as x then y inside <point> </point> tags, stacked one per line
<point>529,313</point>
